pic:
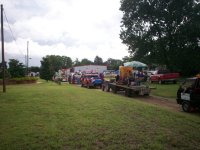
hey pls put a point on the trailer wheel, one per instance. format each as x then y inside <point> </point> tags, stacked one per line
<point>114,89</point>
<point>186,107</point>
<point>107,88</point>
<point>128,92</point>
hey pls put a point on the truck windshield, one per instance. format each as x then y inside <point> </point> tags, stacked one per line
<point>188,83</point>
<point>163,71</point>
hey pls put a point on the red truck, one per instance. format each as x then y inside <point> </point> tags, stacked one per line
<point>162,76</point>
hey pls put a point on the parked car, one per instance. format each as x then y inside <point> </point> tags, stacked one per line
<point>150,73</point>
<point>162,76</point>
<point>188,94</point>
<point>91,80</point>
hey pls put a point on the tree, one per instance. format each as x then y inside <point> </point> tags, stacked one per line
<point>66,62</point>
<point>7,75</point>
<point>34,69</point>
<point>164,32</point>
<point>52,63</point>
<point>76,62</point>
<point>113,64</point>
<point>16,69</point>
<point>85,61</point>
<point>46,72</point>
<point>98,60</point>
<point>126,59</point>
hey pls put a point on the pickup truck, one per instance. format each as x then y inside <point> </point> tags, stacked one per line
<point>162,76</point>
<point>91,80</point>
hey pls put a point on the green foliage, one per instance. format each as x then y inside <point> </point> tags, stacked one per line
<point>98,60</point>
<point>113,64</point>
<point>25,79</point>
<point>164,32</point>
<point>51,116</point>
<point>165,90</point>
<point>85,61</point>
<point>34,69</point>
<point>7,74</point>
<point>76,62</point>
<point>126,59</point>
<point>52,63</point>
<point>16,69</point>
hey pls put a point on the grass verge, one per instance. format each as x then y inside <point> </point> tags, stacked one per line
<point>51,116</point>
<point>165,90</point>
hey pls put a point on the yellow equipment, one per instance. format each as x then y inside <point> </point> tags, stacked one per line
<point>125,72</point>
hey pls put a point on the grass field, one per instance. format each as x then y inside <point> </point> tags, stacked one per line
<point>51,116</point>
<point>165,90</point>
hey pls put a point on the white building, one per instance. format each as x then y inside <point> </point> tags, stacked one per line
<point>90,68</point>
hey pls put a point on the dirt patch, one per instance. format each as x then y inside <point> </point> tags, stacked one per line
<point>160,101</point>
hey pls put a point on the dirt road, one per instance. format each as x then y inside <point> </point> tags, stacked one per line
<point>160,101</point>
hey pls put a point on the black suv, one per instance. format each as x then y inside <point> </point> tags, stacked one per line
<point>188,94</point>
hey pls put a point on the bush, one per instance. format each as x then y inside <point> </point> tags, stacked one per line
<point>23,80</point>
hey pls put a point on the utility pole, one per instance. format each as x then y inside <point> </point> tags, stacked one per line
<point>27,57</point>
<point>3,58</point>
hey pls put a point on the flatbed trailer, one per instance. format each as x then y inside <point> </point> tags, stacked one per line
<point>129,90</point>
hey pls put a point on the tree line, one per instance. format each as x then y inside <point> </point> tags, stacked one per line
<point>51,64</point>
<point>163,32</point>
<point>156,32</point>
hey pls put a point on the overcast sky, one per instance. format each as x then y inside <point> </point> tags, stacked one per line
<point>74,28</point>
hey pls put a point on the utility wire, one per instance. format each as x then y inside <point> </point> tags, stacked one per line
<point>12,33</point>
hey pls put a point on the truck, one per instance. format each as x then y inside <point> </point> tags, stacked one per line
<point>91,80</point>
<point>125,82</point>
<point>188,94</point>
<point>162,76</point>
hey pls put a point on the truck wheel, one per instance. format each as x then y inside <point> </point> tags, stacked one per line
<point>160,82</point>
<point>186,107</point>
<point>100,86</point>
<point>103,87</point>
<point>150,81</point>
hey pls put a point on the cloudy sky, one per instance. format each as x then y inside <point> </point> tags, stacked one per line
<point>74,28</point>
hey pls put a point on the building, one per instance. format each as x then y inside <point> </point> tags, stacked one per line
<point>90,69</point>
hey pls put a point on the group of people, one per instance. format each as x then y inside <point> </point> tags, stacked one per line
<point>133,78</point>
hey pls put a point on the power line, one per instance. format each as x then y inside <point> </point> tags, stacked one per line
<point>12,33</point>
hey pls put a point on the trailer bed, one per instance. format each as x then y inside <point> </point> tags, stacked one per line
<point>129,90</point>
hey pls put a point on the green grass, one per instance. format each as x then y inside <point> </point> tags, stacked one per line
<point>51,116</point>
<point>165,90</point>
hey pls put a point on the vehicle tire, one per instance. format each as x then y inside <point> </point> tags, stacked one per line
<point>150,81</point>
<point>103,87</point>
<point>186,106</point>
<point>128,92</point>
<point>174,82</point>
<point>114,89</point>
<point>107,88</point>
<point>160,82</point>
<point>100,86</point>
